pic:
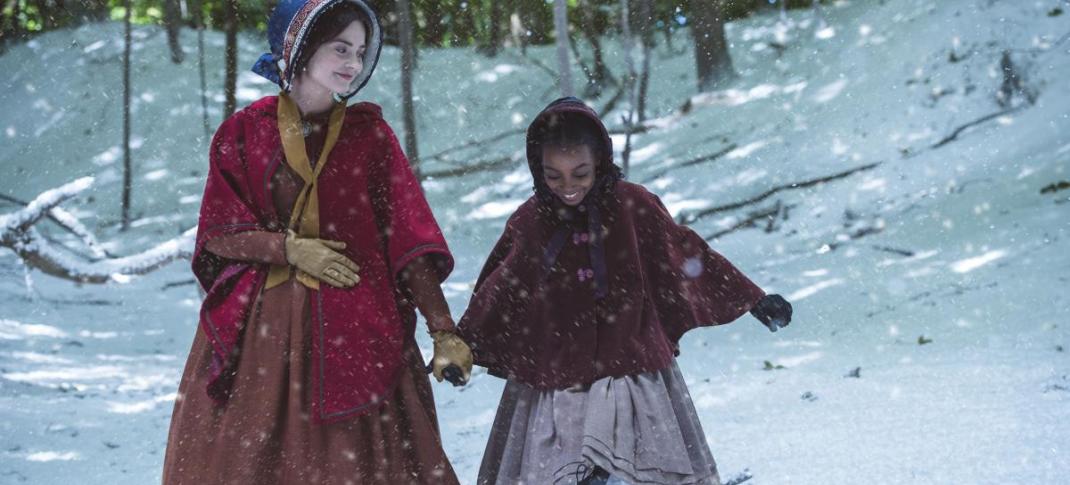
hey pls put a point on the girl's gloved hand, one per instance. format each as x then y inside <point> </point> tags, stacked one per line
<point>453,358</point>
<point>320,259</point>
<point>773,311</point>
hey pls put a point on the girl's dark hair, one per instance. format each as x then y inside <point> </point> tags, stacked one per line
<point>573,132</point>
<point>327,26</point>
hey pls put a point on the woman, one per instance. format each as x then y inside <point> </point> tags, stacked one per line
<point>314,245</point>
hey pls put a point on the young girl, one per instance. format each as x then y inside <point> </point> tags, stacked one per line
<point>581,305</point>
<point>314,244</point>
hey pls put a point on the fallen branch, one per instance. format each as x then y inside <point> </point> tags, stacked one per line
<point>691,217</point>
<point>694,161</point>
<point>475,143</point>
<point>17,233</point>
<point>768,214</point>
<point>537,63</point>
<point>69,223</point>
<point>493,164</point>
<point>41,205</point>
<point>958,131</point>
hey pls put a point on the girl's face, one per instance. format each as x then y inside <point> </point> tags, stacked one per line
<point>338,61</point>
<point>569,171</point>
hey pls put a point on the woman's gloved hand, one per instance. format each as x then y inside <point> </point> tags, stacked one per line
<point>773,311</point>
<point>320,259</point>
<point>453,358</point>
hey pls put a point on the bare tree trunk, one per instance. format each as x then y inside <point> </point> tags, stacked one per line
<point>712,61</point>
<point>629,82</point>
<point>646,21</point>
<point>519,30</point>
<point>197,6</point>
<point>10,29</point>
<point>48,20</point>
<point>599,76</point>
<point>127,176</point>
<point>494,30</point>
<point>172,17</point>
<point>230,81</point>
<point>408,58</point>
<point>564,66</point>
<point>434,31</point>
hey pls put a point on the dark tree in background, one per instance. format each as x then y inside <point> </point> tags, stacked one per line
<point>127,165</point>
<point>408,61</point>
<point>230,82</point>
<point>494,29</point>
<point>712,61</point>
<point>564,62</point>
<point>198,23</point>
<point>593,24</point>
<point>646,36</point>
<point>172,17</point>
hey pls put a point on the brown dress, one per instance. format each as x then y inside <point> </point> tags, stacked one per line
<point>264,434</point>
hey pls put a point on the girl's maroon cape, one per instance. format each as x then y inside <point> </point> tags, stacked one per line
<point>370,200</point>
<point>547,328</point>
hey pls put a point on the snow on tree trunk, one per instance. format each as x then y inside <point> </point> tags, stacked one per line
<point>712,61</point>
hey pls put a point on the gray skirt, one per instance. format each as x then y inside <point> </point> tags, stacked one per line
<point>642,429</point>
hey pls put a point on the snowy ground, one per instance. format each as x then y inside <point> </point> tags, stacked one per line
<point>937,272</point>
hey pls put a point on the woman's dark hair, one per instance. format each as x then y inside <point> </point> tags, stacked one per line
<point>327,26</point>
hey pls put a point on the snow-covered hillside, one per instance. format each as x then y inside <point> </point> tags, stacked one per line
<point>862,166</point>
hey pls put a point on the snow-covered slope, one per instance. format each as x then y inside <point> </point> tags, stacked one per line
<point>923,259</point>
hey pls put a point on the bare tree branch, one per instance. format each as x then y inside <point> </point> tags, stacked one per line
<point>36,251</point>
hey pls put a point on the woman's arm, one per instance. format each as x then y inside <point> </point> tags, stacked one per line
<point>250,246</point>
<point>421,279</point>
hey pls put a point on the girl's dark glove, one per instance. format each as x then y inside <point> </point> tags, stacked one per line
<point>773,311</point>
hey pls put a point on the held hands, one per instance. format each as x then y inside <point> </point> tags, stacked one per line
<point>320,259</point>
<point>773,311</point>
<point>453,358</point>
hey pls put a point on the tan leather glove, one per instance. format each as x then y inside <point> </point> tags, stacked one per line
<point>320,259</point>
<point>451,350</point>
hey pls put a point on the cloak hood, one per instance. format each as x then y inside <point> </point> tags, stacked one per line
<point>571,114</point>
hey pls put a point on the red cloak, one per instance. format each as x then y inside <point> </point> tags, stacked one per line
<point>571,295</point>
<point>369,199</point>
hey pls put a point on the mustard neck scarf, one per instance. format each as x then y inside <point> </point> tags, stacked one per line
<point>305,216</point>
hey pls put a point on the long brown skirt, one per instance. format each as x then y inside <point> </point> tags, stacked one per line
<point>264,435</point>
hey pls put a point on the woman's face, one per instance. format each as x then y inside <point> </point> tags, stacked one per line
<point>338,61</point>
<point>569,171</point>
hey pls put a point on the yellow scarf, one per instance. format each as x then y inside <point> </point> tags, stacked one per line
<point>305,216</point>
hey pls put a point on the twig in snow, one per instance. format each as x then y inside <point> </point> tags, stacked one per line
<point>694,161</point>
<point>492,164</point>
<point>475,143</point>
<point>691,217</point>
<point>958,131</point>
<point>900,252</point>
<point>535,62</point>
<point>769,214</point>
